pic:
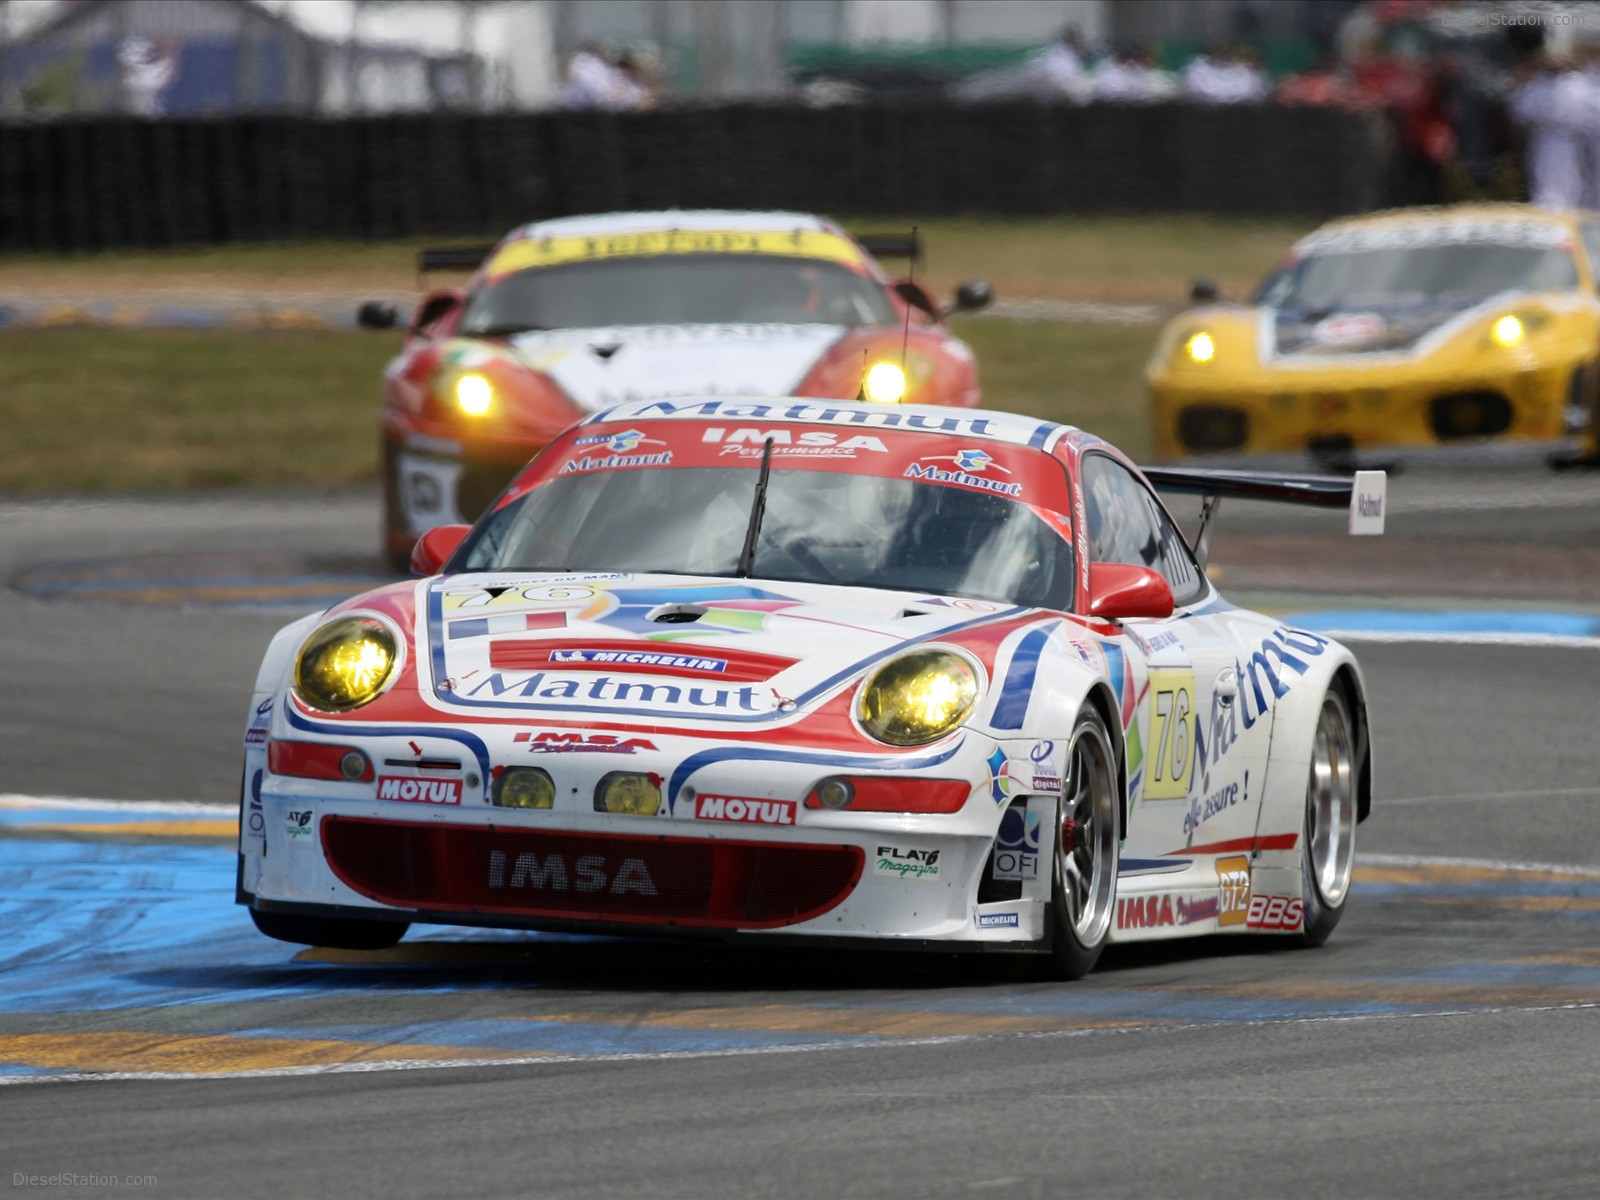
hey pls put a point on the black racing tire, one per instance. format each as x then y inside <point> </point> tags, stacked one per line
<point>330,931</point>
<point>1327,843</point>
<point>1085,850</point>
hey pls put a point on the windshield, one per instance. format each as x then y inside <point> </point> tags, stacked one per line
<point>679,289</point>
<point>818,527</point>
<point>1454,274</point>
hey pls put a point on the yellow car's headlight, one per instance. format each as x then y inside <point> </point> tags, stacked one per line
<point>1200,347</point>
<point>1512,329</point>
<point>885,383</point>
<point>345,664</point>
<point>918,697</point>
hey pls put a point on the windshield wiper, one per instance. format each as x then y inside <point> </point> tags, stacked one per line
<point>747,556</point>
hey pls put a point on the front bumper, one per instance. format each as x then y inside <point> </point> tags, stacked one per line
<point>1283,411</point>
<point>335,849</point>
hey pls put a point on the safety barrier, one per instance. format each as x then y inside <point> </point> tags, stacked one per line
<point>86,184</point>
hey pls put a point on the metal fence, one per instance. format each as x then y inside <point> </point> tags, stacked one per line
<point>85,184</point>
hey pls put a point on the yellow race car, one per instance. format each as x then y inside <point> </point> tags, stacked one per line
<point>1413,327</point>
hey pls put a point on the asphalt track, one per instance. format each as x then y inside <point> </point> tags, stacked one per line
<point>1446,1041</point>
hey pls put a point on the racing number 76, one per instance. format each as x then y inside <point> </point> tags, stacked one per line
<point>1172,719</point>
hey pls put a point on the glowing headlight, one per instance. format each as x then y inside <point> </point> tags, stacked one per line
<point>885,383</point>
<point>345,664</point>
<point>628,792</point>
<point>474,395</point>
<point>1200,347</point>
<point>1507,331</point>
<point>524,787</point>
<point>918,697</point>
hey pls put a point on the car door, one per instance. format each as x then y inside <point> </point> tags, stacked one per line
<point>1189,769</point>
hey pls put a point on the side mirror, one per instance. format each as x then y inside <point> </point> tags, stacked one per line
<point>1203,291</point>
<point>913,295</point>
<point>436,305</point>
<point>375,314</point>
<point>1118,591</point>
<point>434,548</point>
<point>971,296</point>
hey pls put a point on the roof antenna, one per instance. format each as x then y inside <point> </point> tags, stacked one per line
<point>861,392</point>
<point>911,277</point>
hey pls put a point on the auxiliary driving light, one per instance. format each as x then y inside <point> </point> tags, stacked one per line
<point>524,787</point>
<point>474,395</point>
<point>629,792</point>
<point>885,383</point>
<point>1200,347</point>
<point>1507,331</point>
<point>918,697</point>
<point>345,664</point>
<point>835,792</point>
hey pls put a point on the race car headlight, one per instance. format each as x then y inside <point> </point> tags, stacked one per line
<point>885,383</point>
<point>629,792</point>
<point>1507,331</point>
<point>918,697</point>
<point>473,395</point>
<point>524,787</point>
<point>1200,347</point>
<point>345,664</point>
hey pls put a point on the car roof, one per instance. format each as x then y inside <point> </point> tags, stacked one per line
<point>730,219</point>
<point>972,423</point>
<point>1427,216</point>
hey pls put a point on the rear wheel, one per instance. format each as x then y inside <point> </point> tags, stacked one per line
<point>1087,842</point>
<point>329,931</point>
<point>1328,853</point>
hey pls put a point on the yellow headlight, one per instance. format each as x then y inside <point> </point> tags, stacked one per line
<point>628,792</point>
<point>474,395</point>
<point>1507,331</point>
<point>918,697</point>
<point>345,664</point>
<point>1200,347</point>
<point>525,787</point>
<point>885,383</point>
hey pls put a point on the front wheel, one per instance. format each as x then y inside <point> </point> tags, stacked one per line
<point>329,931</point>
<point>1328,850</point>
<point>1087,845</point>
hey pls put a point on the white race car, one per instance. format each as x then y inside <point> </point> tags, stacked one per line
<point>801,671</point>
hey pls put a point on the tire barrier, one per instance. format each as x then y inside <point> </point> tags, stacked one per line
<point>126,182</point>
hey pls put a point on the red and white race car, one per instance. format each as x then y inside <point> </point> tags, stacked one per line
<point>567,316</point>
<point>796,671</point>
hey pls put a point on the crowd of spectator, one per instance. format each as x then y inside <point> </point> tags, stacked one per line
<point>1067,71</point>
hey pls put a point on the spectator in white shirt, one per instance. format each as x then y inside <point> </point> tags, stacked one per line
<point>1132,78</point>
<point>1226,78</point>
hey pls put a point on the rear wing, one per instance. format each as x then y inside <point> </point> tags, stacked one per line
<point>1366,494</point>
<point>456,258</point>
<point>891,245</point>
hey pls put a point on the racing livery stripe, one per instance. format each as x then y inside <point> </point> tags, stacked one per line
<point>838,761</point>
<point>1278,841</point>
<point>1017,691</point>
<point>342,730</point>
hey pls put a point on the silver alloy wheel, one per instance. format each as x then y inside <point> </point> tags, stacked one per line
<point>1086,878</point>
<point>1331,804</point>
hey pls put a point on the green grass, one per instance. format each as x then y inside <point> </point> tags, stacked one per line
<point>98,410</point>
<point>1086,375</point>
